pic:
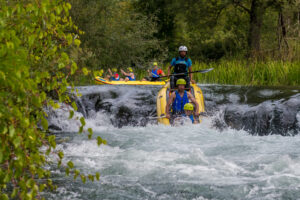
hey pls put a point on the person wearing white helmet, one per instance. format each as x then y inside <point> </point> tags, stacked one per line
<point>181,64</point>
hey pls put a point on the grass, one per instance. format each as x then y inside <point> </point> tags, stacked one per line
<point>271,73</point>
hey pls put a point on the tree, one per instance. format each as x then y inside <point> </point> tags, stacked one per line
<point>116,34</point>
<point>256,14</point>
<point>164,13</point>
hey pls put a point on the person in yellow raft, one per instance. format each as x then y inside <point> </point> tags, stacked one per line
<point>178,99</point>
<point>129,75</point>
<point>113,75</point>
<point>154,74</point>
<point>189,113</point>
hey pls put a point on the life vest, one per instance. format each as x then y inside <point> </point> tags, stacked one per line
<point>181,67</point>
<point>179,102</point>
<point>191,117</point>
<point>116,77</point>
<point>131,79</point>
<point>154,73</point>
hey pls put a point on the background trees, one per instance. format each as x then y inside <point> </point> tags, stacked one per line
<point>215,29</point>
<point>122,33</point>
<point>115,34</point>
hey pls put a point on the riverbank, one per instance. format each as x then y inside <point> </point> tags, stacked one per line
<point>270,73</point>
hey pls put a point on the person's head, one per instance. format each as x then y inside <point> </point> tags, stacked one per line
<point>188,109</point>
<point>181,84</point>
<point>114,70</point>
<point>182,51</point>
<point>155,65</point>
<point>129,69</point>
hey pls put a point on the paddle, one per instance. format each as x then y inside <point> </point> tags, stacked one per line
<point>198,71</point>
<point>161,117</point>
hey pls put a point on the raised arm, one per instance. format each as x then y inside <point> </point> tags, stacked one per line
<point>171,99</point>
<point>109,71</point>
<point>192,98</point>
<point>124,73</point>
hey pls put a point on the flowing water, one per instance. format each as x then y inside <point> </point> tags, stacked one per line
<point>247,146</point>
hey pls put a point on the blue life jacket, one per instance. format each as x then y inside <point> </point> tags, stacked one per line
<point>179,103</point>
<point>131,79</point>
<point>154,73</point>
<point>190,116</point>
<point>116,77</point>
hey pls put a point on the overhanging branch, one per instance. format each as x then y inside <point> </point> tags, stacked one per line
<point>238,3</point>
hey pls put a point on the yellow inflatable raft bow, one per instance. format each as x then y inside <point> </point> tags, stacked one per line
<point>163,96</point>
<point>101,81</point>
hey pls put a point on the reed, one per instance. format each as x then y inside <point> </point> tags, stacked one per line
<point>271,73</point>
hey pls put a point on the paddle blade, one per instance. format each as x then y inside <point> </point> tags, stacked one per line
<point>204,70</point>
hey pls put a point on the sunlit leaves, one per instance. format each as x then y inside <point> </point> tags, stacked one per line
<point>74,106</point>
<point>71,114</point>
<point>100,141</point>
<point>17,141</point>
<point>97,176</point>
<point>85,71</point>
<point>90,133</point>
<point>70,164</point>
<point>76,173</point>
<point>51,140</point>
<point>91,177</point>
<point>83,178</point>
<point>4,197</point>
<point>44,123</point>
<point>34,66</point>
<point>82,121</point>
<point>73,68</point>
<point>77,42</point>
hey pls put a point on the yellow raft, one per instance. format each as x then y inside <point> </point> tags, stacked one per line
<point>101,81</point>
<point>163,96</point>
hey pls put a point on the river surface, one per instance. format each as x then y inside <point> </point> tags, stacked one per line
<point>247,146</point>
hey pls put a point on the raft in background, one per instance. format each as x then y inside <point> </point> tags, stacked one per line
<point>101,81</point>
<point>163,96</point>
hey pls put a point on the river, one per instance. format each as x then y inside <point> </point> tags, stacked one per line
<point>247,146</point>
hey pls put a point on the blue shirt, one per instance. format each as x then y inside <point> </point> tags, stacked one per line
<point>188,63</point>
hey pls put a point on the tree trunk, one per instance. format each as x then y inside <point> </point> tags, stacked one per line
<point>257,11</point>
<point>282,32</point>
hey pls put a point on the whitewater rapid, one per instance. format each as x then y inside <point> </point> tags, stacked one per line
<point>187,162</point>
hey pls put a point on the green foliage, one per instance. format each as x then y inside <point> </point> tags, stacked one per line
<point>123,33</point>
<point>114,35</point>
<point>36,37</point>
<point>218,29</point>
<point>165,13</point>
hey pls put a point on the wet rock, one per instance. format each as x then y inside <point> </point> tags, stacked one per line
<point>258,110</point>
<point>53,127</point>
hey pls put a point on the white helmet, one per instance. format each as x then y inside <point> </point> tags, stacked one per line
<point>183,48</point>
